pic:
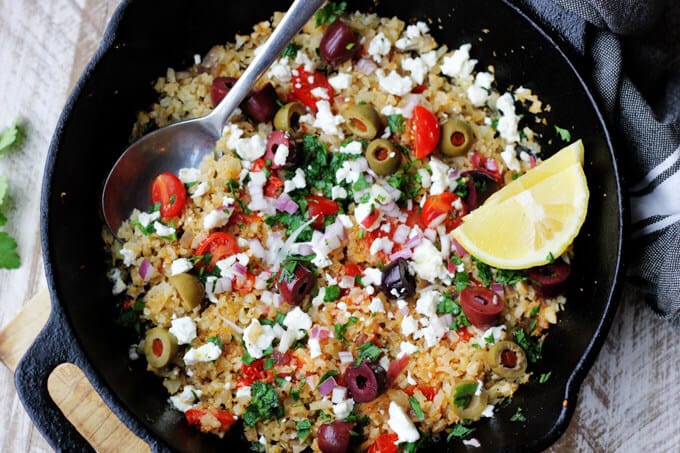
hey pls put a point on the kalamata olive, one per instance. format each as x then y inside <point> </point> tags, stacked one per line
<point>338,44</point>
<point>481,306</point>
<point>456,137</point>
<point>288,118</point>
<point>295,287</point>
<point>507,359</point>
<point>551,278</point>
<point>335,437</point>
<point>159,347</point>
<point>480,186</point>
<point>274,141</point>
<point>362,120</point>
<point>366,381</point>
<point>219,88</point>
<point>262,104</point>
<point>397,280</point>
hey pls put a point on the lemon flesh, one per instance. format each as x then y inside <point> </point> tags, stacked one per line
<point>528,227</point>
<point>564,158</point>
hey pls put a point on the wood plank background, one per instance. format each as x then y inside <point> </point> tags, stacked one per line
<point>629,401</point>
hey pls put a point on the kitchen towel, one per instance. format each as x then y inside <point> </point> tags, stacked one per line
<point>632,48</point>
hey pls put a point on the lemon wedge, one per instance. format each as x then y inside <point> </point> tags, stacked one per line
<point>538,220</point>
<point>564,158</point>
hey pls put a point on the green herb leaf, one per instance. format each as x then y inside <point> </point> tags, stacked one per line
<point>483,272</point>
<point>564,134</point>
<point>550,258</point>
<point>340,329</point>
<point>519,416</point>
<point>332,293</point>
<point>509,277</point>
<point>9,258</point>
<point>327,375</point>
<point>395,123</point>
<point>368,352</point>
<point>291,50</point>
<point>329,13</point>
<point>264,404</point>
<point>269,363</point>
<point>464,393</point>
<point>303,428</point>
<point>459,431</point>
<point>280,382</point>
<point>10,137</point>
<point>534,311</point>
<point>543,378</point>
<point>216,341</point>
<point>462,280</point>
<point>415,405</point>
<point>531,347</point>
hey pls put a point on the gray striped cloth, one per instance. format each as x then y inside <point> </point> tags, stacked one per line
<point>633,50</point>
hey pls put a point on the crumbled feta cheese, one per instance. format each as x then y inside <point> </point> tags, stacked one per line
<point>509,121</point>
<point>298,321</point>
<point>409,379</point>
<point>257,338</point>
<point>401,424</point>
<point>281,155</point>
<point>180,266</point>
<point>217,218</point>
<point>301,58</point>
<point>341,81</point>
<point>129,256</point>
<point>132,352</point>
<point>417,67</point>
<point>379,47</point>
<point>326,120</point>
<point>488,411</point>
<point>412,36</point>
<point>205,353</point>
<point>471,443</point>
<point>251,148</point>
<point>339,394</point>
<point>320,93</point>
<point>480,92</point>
<point>440,177</point>
<point>497,333</point>
<point>427,303</point>
<point>187,399</point>
<point>390,110</point>
<point>393,83</point>
<point>409,325</point>
<point>200,190</point>
<point>372,276</point>
<point>338,192</point>
<point>430,58</point>
<point>145,218</point>
<point>280,70</point>
<point>376,306</point>
<point>162,230</point>
<point>427,262</point>
<point>343,409</point>
<point>189,175</point>
<point>425,178</point>
<point>233,134</point>
<point>459,64</point>
<point>296,182</point>
<point>319,299</point>
<point>314,347</point>
<point>243,392</point>
<point>381,244</point>
<point>509,156</point>
<point>353,147</point>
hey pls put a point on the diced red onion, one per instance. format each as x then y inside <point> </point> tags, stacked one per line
<point>222,285</point>
<point>256,248</point>
<point>430,234</point>
<point>286,204</point>
<point>414,241</point>
<point>367,66</point>
<point>314,334</point>
<point>403,253</point>
<point>497,288</point>
<point>346,282</point>
<point>145,270</point>
<point>391,210</point>
<point>240,269</point>
<point>453,174</point>
<point>491,164</point>
<point>345,357</point>
<point>403,311</point>
<point>459,248</point>
<point>327,386</point>
<point>401,234</point>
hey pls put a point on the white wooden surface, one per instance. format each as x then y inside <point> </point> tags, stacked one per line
<point>629,401</point>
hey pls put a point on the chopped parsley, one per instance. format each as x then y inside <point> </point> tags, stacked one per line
<point>462,280</point>
<point>407,182</point>
<point>329,13</point>
<point>291,50</point>
<point>531,347</point>
<point>264,404</point>
<point>448,305</point>
<point>246,358</point>
<point>483,272</point>
<point>494,123</point>
<point>332,293</point>
<point>534,311</point>
<point>9,258</point>
<point>490,339</point>
<point>395,123</point>
<point>543,378</point>
<point>269,363</point>
<point>129,315</point>
<point>464,393</point>
<point>303,428</point>
<point>509,277</point>
<point>368,352</point>
<point>279,381</point>
<point>519,416</point>
<point>340,329</point>
<point>10,137</point>
<point>459,431</point>
<point>564,134</point>
<point>216,341</point>
<point>291,263</point>
<point>550,258</point>
<point>415,405</point>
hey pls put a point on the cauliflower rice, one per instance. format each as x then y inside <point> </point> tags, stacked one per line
<point>243,353</point>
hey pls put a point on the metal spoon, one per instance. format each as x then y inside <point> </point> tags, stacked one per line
<point>185,144</point>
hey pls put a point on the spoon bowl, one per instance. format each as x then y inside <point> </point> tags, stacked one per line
<point>186,144</point>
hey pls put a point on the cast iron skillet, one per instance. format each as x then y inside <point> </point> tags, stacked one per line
<point>144,39</point>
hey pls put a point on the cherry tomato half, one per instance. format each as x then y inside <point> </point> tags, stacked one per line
<point>225,418</point>
<point>385,443</point>
<point>425,132</point>
<point>170,192</point>
<point>320,207</point>
<point>220,245</point>
<point>446,204</point>
<point>306,81</point>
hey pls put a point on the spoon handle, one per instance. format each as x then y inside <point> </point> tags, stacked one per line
<point>296,17</point>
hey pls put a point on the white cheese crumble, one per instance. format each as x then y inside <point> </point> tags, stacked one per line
<point>508,121</point>
<point>314,348</point>
<point>427,262</point>
<point>243,392</point>
<point>187,399</point>
<point>189,175</point>
<point>180,266</point>
<point>440,177</point>
<point>338,192</point>
<point>497,333</point>
<point>376,306</point>
<point>401,424</point>
<point>162,230</point>
<point>327,121</point>
<point>280,70</point>
<point>184,329</point>
<point>145,218</point>
<point>217,218</point>
<point>353,147</point>
<point>417,67</point>
<point>379,47</point>
<point>296,182</point>
<point>251,148</point>
<point>206,353</point>
<point>480,92</point>
<point>393,83</point>
<point>472,443</point>
<point>459,64</point>
<point>406,348</point>
<point>341,81</point>
<point>412,36</point>
<point>343,409</point>
<point>129,256</point>
<point>427,303</point>
<point>509,156</point>
<point>409,325</point>
<point>257,338</point>
<point>281,155</point>
<point>200,190</point>
<point>298,323</point>
<point>488,411</point>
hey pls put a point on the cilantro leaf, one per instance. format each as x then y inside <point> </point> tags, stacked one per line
<point>368,352</point>
<point>415,405</point>
<point>464,393</point>
<point>483,272</point>
<point>340,329</point>
<point>459,431</point>
<point>9,258</point>
<point>544,377</point>
<point>564,134</point>
<point>532,347</point>
<point>509,277</point>
<point>291,50</point>
<point>519,416</point>
<point>303,428</point>
<point>332,293</point>
<point>329,13</point>
<point>216,341</point>
<point>264,404</point>
<point>395,122</point>
<point>9,137</point>
<point>462,280</point>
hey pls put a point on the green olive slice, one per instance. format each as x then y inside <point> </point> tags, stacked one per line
<point>160,347</point>
<point>190,289</point>
<point>362,120</point>
<point>288,117</point>
<point>507,359</point>
<point>383,157</point>
<point>475,403</point>
<point>456,138</point>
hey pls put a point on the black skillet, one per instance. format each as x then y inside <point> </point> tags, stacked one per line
<point>143,39</point>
